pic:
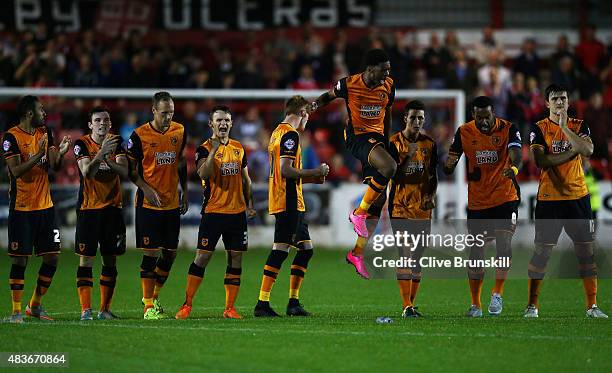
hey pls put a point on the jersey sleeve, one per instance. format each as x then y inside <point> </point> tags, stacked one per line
<point>391,96</point>
<point>433,162</point>
<point>536,138</point>
<point>584,130</point>
<point>456,146</point>
<point>80,150</point>
<point>244,159</point>
<point>201,153</point>
<point>10,148</point>
<point>289,144</point>
<point>340,89</point>
<point>514,137</point>
<point>134,147</point>
<point>119,150</point>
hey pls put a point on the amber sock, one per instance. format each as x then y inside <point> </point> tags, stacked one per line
<point>359,246</point>
<point>84,286</point>
<point>272,267</point>
<point>16,282</point>
<point>405,287</point>
<point>475,291</point>
<point>108,280</point>
<point>45,276</point>
<point>372,193</point>
<point>590,290</point>
<point>232,285</point>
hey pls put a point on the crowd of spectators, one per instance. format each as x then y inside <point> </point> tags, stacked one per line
<point>39,58</point>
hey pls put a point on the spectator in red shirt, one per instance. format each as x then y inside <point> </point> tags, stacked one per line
<point>590,51</point>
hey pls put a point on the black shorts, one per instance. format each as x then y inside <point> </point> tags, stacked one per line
<point>575,216</point>
<point>157,229</point>
<point>33,231</point>
<point>232,227</point>
<point>361,146</point>
<point>291,229</point>
<point>498,218</point>
<point>104,227</point>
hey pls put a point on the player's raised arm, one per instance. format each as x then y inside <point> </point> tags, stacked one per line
<point>581,142</point>
<point>338,90</point>
<point>206,159</point>
<point>119,165</point>
<point>56,154</point>
<point>541,158</point>
<point>13,158</point>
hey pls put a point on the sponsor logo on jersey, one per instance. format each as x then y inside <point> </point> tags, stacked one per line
<point>414,167</point>
<point>559,146</point>
<point>164,158</point>
<point>370,111</point>
<point>230,169</point>
<point>486,156</point>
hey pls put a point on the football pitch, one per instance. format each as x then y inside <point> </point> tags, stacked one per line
<point>342,334</point>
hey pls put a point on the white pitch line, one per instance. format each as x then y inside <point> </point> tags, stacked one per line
<point>324,332</point>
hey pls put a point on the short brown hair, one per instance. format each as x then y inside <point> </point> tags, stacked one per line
<point>295,104</point>
<point>161,96</point>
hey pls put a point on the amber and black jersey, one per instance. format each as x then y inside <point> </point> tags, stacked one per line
<point>564,181</point>
<point>223,192</point>
<point>284,194</point>
<point>406,197</point>
<point>105,188</point>
<point>366,106</point>
<point>31,191</point>
<point>158,154</point>
<point>487,156</point>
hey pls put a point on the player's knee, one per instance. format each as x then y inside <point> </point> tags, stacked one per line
<point>234,259</point>
<point>168,255</point>
<point>21,261</point>
<point>50,259</point>
<point>86,261</point>
<point>202,258</point>
<point>109,260</point>
<point>148,263</point>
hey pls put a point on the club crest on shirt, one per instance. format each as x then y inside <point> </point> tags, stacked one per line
<point>236,152</point>
<point>496,140</point>
<point>382,95</point>
<point>174,140</point>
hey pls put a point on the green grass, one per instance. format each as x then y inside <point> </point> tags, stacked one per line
<point>342,335</point>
